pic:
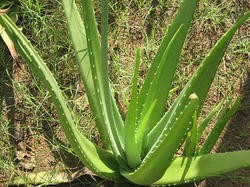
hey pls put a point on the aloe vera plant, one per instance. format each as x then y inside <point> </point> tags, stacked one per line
<point>142,148</point>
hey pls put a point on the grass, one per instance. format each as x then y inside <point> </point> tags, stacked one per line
<point>133,24</point>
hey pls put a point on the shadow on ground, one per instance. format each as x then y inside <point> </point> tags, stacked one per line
<point>236,137</point>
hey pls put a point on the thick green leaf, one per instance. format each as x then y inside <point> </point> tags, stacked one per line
<point>191,142</point>
<point>99,71</point>
<point>98,160</point>
<point>162,80</point>
<point>131,150</point>
<point>159,80</point>
<point>203,167</point>
<point>202,79</point>
<point>148,144</point>
<point>162,153</point>
<point>200,82</point>
<point>143,129</point>
<point>170,133</point>
<point>77,33</point>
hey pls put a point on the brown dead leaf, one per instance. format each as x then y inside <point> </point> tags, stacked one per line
<point>51,177</point>
<point>4,11</point>
<point>9,44</point>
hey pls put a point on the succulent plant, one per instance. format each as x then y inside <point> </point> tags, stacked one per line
<point>142,148</point>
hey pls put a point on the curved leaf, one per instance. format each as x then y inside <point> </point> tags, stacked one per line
<point>99,69</point>
<point>162,153</point>
<point>131,149</point>
<point>203,167</point>
<point>98,160</point>
<point>77,32</point>
<point>201,80</point>
<point>163,78</point>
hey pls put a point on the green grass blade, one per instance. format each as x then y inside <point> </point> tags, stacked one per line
<point>204,166</point>
<point>98,160</point>
<point>99,71</point>
<point>204,123</point>
<point>218,128</point>
<point>200,82</point>
<point>182,19</point>
<point>225,109</point>
<point>132,152</point>
<point>162,153</point>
